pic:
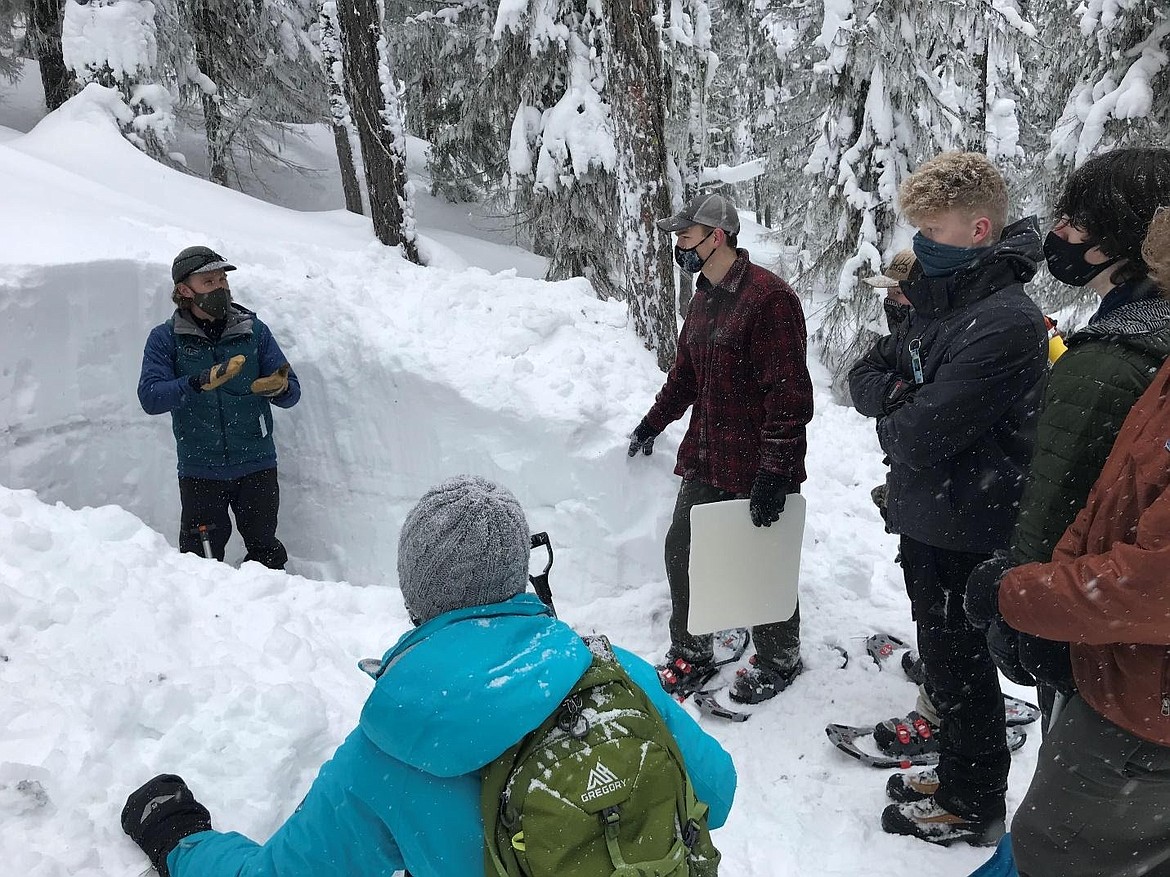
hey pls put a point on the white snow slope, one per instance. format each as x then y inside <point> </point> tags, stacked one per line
<point>120,658</point>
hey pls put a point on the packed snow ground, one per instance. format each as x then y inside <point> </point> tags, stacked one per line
<point>120,658</point>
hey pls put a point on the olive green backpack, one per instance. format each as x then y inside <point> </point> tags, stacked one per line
<point>598,790</point>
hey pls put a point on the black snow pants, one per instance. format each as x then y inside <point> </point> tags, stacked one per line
<point>253,499</point>
<point>961,680</point>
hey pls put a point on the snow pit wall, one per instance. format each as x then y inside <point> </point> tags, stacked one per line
<point>365,441</point>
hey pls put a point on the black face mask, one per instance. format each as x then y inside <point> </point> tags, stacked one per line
<point>689,259</point>
<point>1066,262</point>
<point>896,313</point>
<point>215,304</point>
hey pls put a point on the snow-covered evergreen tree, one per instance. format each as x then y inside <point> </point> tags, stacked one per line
<point>461,92</point>
<point>113,43</point>
<point>1118,80</point>
<point>901,83</point>
<point>255,70</point>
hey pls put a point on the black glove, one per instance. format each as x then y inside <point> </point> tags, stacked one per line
<point>899,391</point>
<point>642,439</point>
<point>161,813</point>
<point>1003,641</point>
<point>1049,661</point>
<point>981,602</point>
<point>769,491</point>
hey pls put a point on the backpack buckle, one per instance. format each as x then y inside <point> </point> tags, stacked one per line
<point>690,834</point>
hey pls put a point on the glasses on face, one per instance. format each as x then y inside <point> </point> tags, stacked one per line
<point>1067,222</point>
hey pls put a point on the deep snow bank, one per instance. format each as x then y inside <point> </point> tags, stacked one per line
<point>410,374</point>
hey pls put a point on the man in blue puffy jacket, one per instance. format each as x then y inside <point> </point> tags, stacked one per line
<point>485,665</point>
<point>217,370</point>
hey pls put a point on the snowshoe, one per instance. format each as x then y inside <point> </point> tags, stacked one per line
<point>912,735</point>
<point>1019,712</point>
<point>857,742</point>
<point>930,821</point>
<point>881,646</point>
<point>762,681</point>
<point>682,678</point>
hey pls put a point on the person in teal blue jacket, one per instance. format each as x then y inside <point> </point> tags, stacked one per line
<point>217,370</point>
<point>485,665</point>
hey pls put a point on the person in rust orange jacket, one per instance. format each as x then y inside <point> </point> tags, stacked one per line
<point>1100,800</point>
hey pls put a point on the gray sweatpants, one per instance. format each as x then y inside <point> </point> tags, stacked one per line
<point>1099,803</point>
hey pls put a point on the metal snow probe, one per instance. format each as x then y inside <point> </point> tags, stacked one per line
<point>540,580</point>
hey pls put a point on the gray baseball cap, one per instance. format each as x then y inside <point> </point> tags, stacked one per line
<point>712,210</point>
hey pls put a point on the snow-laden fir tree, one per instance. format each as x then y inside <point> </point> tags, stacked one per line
<point>1117,83</point>
<point>763,95</point>
<point>113,43</point>
<point>901,81</point>
<point>461,92</point>
<point>255,70</point>
<point>562,157</point>
<point>587,154</point>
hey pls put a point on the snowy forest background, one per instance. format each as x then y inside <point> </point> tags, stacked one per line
<point>581,121</point>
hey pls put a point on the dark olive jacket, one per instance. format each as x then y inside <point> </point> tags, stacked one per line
<point>1091,389</point>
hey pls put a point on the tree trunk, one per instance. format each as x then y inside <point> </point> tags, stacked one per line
<point>350,185</point>
<point>208,32</point>
<point>374,110</point>
<point>45,36</point>
<point>635,88</point>
<point>339,109</point>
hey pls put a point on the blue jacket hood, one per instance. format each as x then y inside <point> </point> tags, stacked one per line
<point>456,692</point>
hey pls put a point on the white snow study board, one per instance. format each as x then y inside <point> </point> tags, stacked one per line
<point>742,574</point>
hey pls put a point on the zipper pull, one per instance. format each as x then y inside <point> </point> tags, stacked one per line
<point>1166,706</point>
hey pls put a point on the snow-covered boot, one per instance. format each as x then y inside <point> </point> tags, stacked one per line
<point>910,736</point>
<point>762,680</point>
<point>930,821</point>
<point>906,788</point>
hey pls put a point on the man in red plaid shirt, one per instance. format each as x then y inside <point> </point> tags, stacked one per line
<point>741,365</point>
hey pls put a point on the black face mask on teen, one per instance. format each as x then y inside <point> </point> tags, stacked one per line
<point>689,259</point>
<point>1066,262</point>
<point>896,313</point>
<point>215,304</point>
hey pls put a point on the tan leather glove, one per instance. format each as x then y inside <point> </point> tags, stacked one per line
<point>274,384</point>
<point>221,373</point>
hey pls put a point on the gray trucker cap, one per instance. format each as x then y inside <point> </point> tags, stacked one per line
<point>712,210</point>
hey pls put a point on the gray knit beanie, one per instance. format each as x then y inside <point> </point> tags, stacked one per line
<point>466,543</point>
